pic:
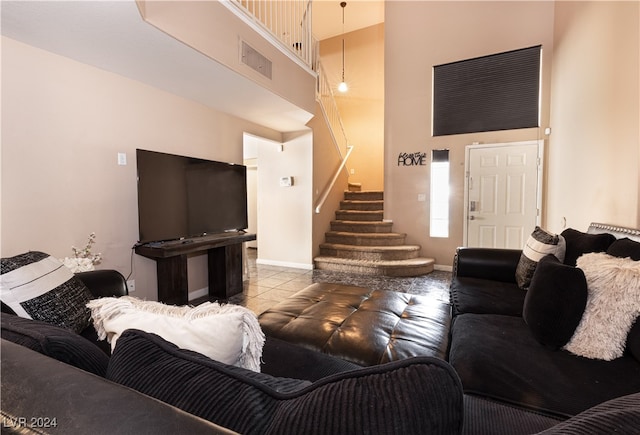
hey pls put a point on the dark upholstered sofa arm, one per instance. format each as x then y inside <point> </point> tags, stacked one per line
<point>487,263</point>
<point>104,283</point>
<point>50,396</point>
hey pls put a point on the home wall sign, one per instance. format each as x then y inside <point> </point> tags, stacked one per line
<point>412,159</point>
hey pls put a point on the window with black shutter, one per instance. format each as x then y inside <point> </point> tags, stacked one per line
<point>495,92</point>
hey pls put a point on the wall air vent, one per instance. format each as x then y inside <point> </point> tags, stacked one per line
<point>255,60</point>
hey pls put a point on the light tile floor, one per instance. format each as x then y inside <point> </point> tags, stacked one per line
<point>267,285</point>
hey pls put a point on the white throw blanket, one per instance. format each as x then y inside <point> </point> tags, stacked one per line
<point>227,333</point>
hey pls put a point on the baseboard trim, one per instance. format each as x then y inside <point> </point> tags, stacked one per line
<point>284,264</point>
<point>198,293</point>
<point>443,267</point>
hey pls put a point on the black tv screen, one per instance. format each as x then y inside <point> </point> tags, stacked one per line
<point>182,197</point>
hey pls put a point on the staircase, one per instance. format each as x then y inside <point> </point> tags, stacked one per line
<point>360,241</point>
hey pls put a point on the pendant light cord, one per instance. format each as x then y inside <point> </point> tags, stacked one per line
<point>343,5</point>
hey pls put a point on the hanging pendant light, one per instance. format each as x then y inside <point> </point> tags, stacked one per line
<point>343,87</point>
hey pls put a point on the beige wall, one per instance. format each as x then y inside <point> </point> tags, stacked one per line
<point>63,124</point>
<point>362,107</point>
<point>285,213</point>
<point>419,35</point>
<point>326,161</point>
<point>212,29</point>
<point>594,150</point>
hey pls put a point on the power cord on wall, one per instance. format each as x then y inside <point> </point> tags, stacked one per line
<point>130,264</point>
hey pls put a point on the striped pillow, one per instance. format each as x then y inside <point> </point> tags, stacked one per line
<point>38,286</point>
<point>539,244</point>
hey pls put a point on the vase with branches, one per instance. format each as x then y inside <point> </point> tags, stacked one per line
<point>83,259</point>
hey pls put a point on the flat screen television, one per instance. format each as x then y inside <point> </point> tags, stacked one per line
<point>183,197</point>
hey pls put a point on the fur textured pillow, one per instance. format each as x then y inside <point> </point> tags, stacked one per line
<point>227,333</point>
<point>613,304</point>
<point>539,244</point>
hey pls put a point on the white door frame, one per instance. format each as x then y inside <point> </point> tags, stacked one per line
<point>250,144</point>
<point>467,151</point>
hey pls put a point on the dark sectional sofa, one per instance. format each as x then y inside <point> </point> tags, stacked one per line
<point>55,380</point>
<point>498,379</point>
<point>494,350</point>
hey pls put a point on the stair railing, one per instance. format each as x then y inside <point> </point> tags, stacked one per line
<point>288,21</point>
<point>329,187</point>
<point>288,25</point>
<point>324,94</point>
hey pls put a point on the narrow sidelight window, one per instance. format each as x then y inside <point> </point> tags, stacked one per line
<point>439,221</point>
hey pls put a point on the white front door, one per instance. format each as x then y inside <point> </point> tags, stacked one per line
<point>502,193</point>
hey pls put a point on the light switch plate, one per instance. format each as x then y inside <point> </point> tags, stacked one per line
<point>122,159</point>
<point>286,181</point>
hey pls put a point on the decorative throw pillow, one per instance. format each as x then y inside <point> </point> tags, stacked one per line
<point>625,248</point>
<point>410,396</point>
<point>555,302</point>
<point>613,304</point>
<point>539,244</point>
<point>55,342</point>
<point>227,333</point>
<point>38,286</point>
<point>579,243</point>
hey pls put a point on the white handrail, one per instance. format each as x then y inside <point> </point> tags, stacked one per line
<point>328,189</point>
<point>336,128</point>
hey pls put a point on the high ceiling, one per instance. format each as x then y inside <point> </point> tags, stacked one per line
<point>111,35</point>
<point>358,14</point>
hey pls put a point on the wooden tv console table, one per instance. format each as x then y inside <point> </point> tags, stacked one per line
<point>225,265</point>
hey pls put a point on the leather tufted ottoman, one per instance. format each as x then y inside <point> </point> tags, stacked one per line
<point>367,327</point>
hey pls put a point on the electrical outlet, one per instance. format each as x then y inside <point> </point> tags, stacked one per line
<point>131,285</point>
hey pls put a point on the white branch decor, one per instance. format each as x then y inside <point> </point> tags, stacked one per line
<point>83,260</point>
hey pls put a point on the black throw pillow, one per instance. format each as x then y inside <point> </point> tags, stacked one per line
<point>625,248</point>
<point>555,302</point>
<point>633,340</point>
<point>579,243</point>
<point>55,342</point>
<point>411,396</point>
